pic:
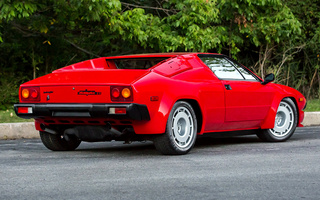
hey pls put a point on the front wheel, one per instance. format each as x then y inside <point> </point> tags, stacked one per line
<point>181,131</point>
<point>59,143</point>
<point>285,123</point>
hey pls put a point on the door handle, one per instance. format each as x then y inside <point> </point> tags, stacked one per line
<point>228,87</point>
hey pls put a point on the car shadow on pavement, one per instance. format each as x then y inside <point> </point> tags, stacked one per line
<point>119,147</point>
<point>213,141</point>
<point>147,148</point>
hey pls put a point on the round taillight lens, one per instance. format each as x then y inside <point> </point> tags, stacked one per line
<point>126,93</point>
<point>115,92</point>
<point>34,94</point>
<point>25,93</point>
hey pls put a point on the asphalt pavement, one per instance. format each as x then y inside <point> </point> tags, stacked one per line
<point>227,168</point>
<point>26,130</point>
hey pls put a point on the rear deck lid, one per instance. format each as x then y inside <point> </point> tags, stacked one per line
<point>82,86</point>
<point>96,77</point>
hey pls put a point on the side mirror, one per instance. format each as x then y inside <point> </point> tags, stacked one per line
<point>269,78</point>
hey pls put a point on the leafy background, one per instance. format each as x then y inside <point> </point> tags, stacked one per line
<point>38,36</point>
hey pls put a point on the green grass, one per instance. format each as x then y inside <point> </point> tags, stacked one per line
<point>9,116</point>
<point>313,105</point>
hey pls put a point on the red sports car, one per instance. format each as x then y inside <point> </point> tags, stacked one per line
<point>167,98</point>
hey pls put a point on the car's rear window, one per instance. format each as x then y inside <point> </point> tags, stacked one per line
<point>137,63</point>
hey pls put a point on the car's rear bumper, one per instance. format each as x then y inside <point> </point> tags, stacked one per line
<point>133,111</point>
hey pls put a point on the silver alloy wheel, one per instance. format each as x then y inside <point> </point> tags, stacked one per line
<point>284,120</point>
<point>182,127</point>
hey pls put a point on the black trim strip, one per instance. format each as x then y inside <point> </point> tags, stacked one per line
<point>134,111</point>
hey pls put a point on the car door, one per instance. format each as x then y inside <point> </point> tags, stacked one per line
<point>247,101</point>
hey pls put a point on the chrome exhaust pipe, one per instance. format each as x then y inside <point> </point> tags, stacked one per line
<point>48,130</point>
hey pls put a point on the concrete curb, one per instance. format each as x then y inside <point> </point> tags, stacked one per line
<point>311,119</point>
<point>11,131</point>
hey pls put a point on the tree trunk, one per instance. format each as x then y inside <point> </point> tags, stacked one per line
<point>263,56</point>
<point>311,83</point>
<point>33,64</point>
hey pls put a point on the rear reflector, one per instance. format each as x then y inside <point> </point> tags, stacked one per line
<point>25,110</point>
<point>117,110</point>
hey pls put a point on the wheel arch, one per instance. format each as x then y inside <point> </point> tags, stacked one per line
<point>196,107</point>
<point>269,120</point>
<point>296,105</point>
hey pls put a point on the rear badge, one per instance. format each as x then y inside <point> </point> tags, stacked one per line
<point>88,92</point>
<point>48,96</point>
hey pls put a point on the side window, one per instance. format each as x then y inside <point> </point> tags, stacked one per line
<point>222,68</point>
<point>247,75</point>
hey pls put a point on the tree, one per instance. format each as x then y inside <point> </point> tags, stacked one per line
<point>277,36</point>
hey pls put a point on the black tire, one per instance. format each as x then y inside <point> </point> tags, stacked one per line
<point>58,143</point>
<point>285,123</point>
<point>181,131</point>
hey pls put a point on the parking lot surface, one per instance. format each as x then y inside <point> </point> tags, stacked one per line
<point>226,168</point>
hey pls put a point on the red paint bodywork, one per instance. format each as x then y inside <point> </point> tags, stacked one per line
<point>249,105</point>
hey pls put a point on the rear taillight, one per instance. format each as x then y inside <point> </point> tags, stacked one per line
<point>115,93</point>
<point>126,93</point>
<point>29,94</point>
<point>121,93</point>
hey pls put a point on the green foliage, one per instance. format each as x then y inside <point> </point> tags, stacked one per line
<point>11,9</point>
<point>313,105</point>
<point>308,13</point>
<point>9,89</point>
<point>276,36</point>
<point>9,116</point>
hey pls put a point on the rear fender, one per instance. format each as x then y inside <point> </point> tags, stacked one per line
<point>158,121</point>
<point>158,118</point>
<point>169,92</point>
<point>196,107</point>
<point>167,103</point>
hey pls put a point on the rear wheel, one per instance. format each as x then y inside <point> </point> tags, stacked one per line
<point>181,131</point>
<point>285,123</point>
<point>56,142</point>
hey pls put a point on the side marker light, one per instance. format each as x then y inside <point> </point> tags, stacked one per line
<point>154,98</point>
